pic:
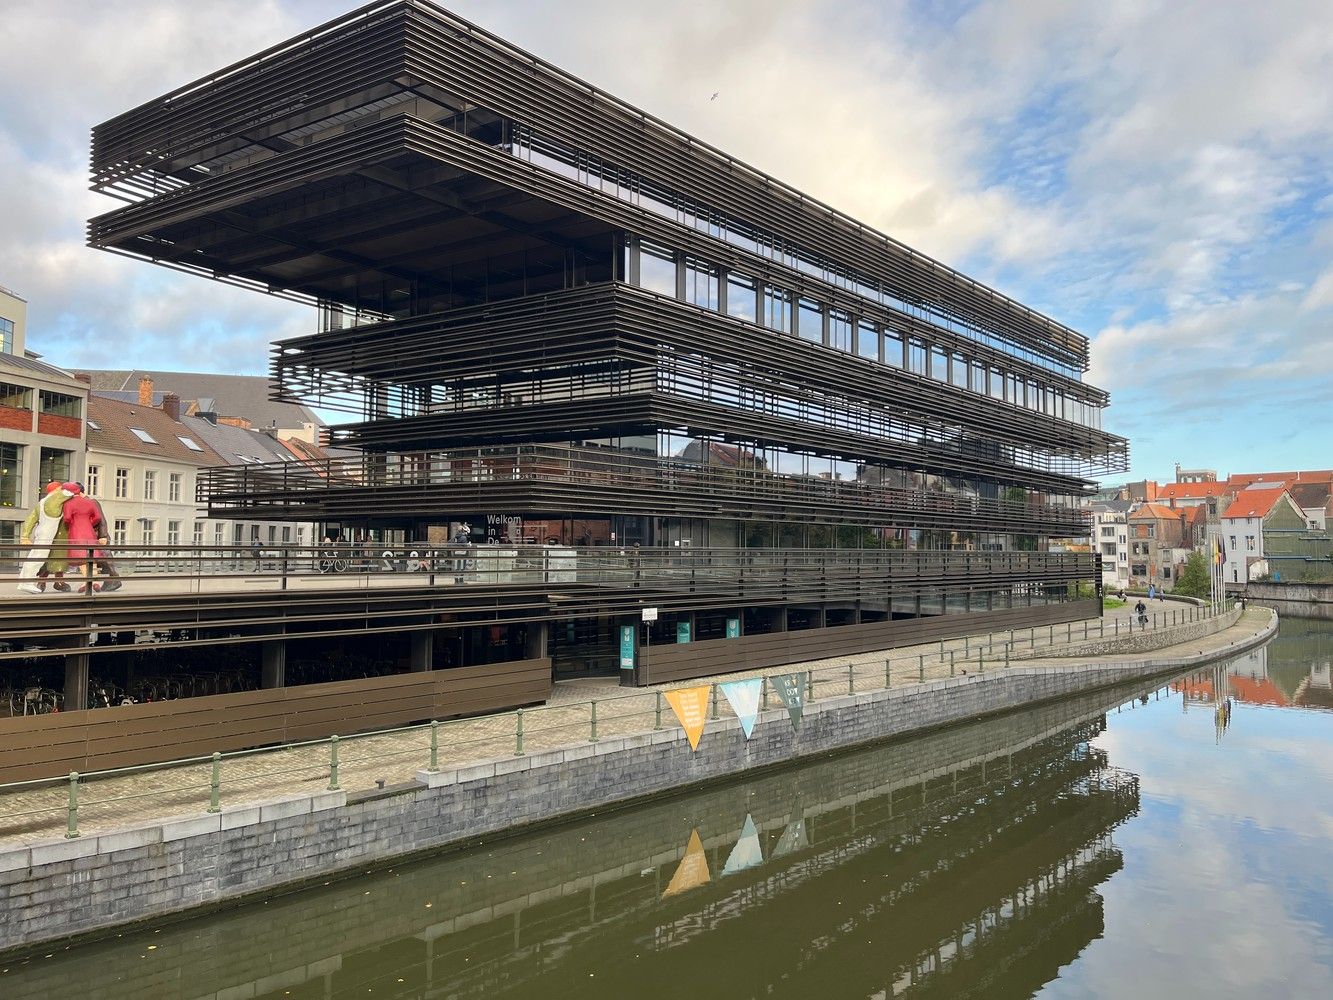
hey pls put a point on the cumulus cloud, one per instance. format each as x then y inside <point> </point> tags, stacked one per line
<point>1153,173</point>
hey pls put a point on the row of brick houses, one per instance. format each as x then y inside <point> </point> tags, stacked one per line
<point>139,450</point>
<point>1270,525</point>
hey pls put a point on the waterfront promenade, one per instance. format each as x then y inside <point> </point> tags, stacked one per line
<point>370,765</point>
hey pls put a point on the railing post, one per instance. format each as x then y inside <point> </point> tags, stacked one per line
<point>920,666</point>
<point>333,763</point>
<point>851,678</point>
<point>215,785</point>
<point>888,672</point>
<point>951,663</point>
<point>657,708</point>
<point>518,733</point>
<point>592,735</point>
<point>810,686</point>
<point>434,745</point>
<point>981,662</point>
<point>712,694</point>
<point>72,810</point>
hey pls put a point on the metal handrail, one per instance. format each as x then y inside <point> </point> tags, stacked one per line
<point>995,650</point>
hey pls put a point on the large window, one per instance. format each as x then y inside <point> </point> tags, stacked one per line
<point>174,487</point>
<point>916,356</point>
<point>6,336</point>
<point>11,475</point>
<point>958,371</point>
<point>119,531</point>
<point>893,349</point>
<point>18,397</point>
<point>701,283</point>
<point>94,481</point>
<point>59,404</point>
<point>810,321</point>
<point>173,532</point>
<point>122,484</point>
<point>777,305</point>
<point>867,340</point>
<point>55,465</point>
<point>840,329</point>
<point>150,484</point>
<point>149,530</point>
<point>657,269</point>
<point>939,364</point>
<point>742,291</point>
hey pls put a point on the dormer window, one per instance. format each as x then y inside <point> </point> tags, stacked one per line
<point>143,435</point>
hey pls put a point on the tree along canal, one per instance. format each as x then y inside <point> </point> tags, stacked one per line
<point>1143,842</point>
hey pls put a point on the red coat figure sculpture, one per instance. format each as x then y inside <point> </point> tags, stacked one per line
<point>83,518</point>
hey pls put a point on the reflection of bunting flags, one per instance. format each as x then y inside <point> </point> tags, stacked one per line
<point>693,870</point>
<point>791,689</point>
<point>691,708</point>
<point>743,696</point>
<point>793,838</point>
<point>747,853</point>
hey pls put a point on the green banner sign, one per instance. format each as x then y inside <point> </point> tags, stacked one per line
<point>682,631</point>
<point>627,647</point>
<point>791,689</point>
<point>733,628</point>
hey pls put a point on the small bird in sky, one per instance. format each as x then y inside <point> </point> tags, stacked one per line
<point>715,95</point>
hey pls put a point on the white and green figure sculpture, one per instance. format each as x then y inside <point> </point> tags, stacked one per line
<point>43,529</point>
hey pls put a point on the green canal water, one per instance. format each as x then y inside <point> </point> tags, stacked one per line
<point>1137,843</point>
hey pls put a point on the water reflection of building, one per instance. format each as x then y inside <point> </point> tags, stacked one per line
<point>1291,671</point>
<point>964,860</point>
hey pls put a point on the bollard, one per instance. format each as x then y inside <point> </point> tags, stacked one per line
<point>657,708</point>
<point>921,667</point>
<point>215,785</point>
<point>518,732</point>
<point>592,736</point>
<point>72,829</point>
<point>851,678</point>
<point>434,745</point>
<point>333,763</point>
<point>713,695</point>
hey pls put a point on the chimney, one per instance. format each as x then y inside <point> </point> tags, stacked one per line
<point>145,391</point>
<point>171,405</point>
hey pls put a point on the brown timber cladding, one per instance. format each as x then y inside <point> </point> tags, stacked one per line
<point>49,746</point>
<point>687,661</point>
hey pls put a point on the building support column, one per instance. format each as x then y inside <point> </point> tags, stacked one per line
<point>273,663</point>
<point>76,682</point>
<point>421,655</point>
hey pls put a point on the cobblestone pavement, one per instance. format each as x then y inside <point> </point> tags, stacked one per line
<point>113,802</point>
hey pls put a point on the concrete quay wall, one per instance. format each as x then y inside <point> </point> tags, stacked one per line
<point>84,886</point>
<point>1298,600</point>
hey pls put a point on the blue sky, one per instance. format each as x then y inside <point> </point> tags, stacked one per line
<point>1158,175</point>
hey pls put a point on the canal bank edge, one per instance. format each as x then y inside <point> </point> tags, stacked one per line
<point>80,888</point>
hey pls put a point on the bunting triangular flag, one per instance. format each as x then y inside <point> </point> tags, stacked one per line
<point>691,708</point>
<point>743,696</point>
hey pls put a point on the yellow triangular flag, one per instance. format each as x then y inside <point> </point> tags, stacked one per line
<point>691,708</point>
<point>693,870</point>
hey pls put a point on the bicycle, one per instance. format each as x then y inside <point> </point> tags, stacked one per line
<point>331,562</point>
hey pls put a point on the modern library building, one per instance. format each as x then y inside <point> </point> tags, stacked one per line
<point>585,349</point>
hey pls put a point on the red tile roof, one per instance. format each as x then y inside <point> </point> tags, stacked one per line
<point>114,432</point>
<point>1191,491</point>
<point>1159,511</point>
<point>1243,479</point>
<point>1255,503</point>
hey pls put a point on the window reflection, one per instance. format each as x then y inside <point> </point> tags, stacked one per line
<point>810,321</point>
<point>777,309</point>
<point>741,296</point>
<point>657,269</point>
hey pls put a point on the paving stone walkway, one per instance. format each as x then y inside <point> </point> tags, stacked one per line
<point>38,813</point>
